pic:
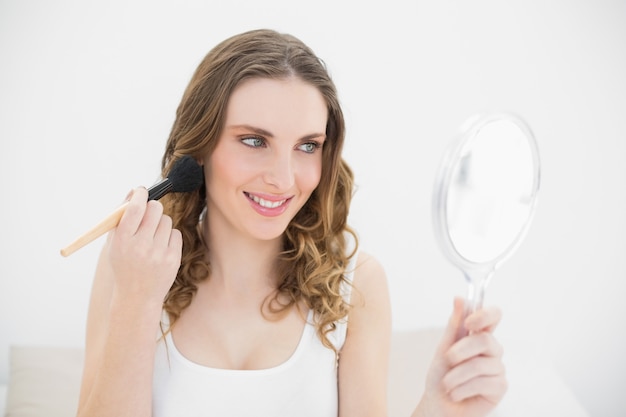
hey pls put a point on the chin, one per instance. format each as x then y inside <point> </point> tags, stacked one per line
<point>269,232</point>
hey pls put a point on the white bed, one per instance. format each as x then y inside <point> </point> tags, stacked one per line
<point>44,381</point>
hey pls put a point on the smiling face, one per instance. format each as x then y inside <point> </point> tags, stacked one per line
<point>268,159</point>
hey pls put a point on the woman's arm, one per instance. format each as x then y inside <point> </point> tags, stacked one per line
<point>364,359</point>
<point>136,268</point>
<point>466,377</point>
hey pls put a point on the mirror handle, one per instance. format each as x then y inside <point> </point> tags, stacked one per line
<point>476,286</point>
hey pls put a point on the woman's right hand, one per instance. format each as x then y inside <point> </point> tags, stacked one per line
<point>136,269</point>
<point>144,251</point>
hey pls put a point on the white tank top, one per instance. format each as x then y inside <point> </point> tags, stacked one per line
<point>304,385</point>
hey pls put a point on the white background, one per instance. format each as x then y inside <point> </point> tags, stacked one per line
<point>88,92</point>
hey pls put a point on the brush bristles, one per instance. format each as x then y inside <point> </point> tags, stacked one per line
<point>186,175</point>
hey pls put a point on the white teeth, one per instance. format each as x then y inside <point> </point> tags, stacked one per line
<point>267,204</point>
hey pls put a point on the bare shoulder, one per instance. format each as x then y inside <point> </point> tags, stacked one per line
<point>370,295</point>
<point>370,279</point>
<point>367,264</point>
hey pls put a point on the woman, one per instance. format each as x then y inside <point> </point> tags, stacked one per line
<point>249,296</point>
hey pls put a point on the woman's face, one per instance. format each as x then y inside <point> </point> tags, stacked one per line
<point>268,159</point>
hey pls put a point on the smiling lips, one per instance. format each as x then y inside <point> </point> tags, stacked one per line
<point>268,207</point>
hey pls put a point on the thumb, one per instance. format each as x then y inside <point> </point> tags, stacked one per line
<point>455,329</point>
<point>439,365</point>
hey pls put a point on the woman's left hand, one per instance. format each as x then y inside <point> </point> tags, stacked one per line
<point>467,376</point>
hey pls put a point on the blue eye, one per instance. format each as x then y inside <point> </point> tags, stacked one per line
<point>253,142</point>
<point>309,147</point>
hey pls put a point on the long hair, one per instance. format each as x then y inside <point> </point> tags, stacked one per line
<point>312,263</point>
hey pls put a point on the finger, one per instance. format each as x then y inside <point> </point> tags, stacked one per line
<point>163,231</point>
<point>133,215</point>
<point>476,344</point>
<point>151,219</point>
<point>476,367</point>
<point>176,245</point>
<point>491,388</point>
<point>128,196</point>
<point>485,319</point>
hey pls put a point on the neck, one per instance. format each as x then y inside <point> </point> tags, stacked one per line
<point>239,264</point>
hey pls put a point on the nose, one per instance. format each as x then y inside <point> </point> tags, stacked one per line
<point>280,172</point>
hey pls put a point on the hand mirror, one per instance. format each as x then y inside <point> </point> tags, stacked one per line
<point>485,196</point>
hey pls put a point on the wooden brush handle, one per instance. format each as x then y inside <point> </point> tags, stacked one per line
<point>98,230</point>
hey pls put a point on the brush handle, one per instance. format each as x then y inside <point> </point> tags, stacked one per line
<point>98,230</point>
<point>155,192</point>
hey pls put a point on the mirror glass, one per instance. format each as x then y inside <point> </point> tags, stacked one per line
<point>485,195</point>
<point>490,193</point>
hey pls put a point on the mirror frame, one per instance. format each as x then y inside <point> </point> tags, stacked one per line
<point>464,139</point>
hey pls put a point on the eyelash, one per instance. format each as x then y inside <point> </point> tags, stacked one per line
<point>315,145</point>
<point>260,142</point>
<point>254,139</point>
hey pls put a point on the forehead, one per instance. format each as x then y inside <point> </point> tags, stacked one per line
<point>289,105</point>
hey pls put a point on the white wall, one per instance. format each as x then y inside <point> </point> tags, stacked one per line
<point>88,91</point>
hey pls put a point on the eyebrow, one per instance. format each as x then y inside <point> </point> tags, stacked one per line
<point>263,132</point>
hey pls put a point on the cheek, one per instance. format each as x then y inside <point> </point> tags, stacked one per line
<point>225,168</point>
<point>310,177</point>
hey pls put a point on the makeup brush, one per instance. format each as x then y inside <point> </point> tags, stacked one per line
<point>185,176</point>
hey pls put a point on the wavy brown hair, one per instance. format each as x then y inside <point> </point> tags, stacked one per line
<point>313,260</point>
